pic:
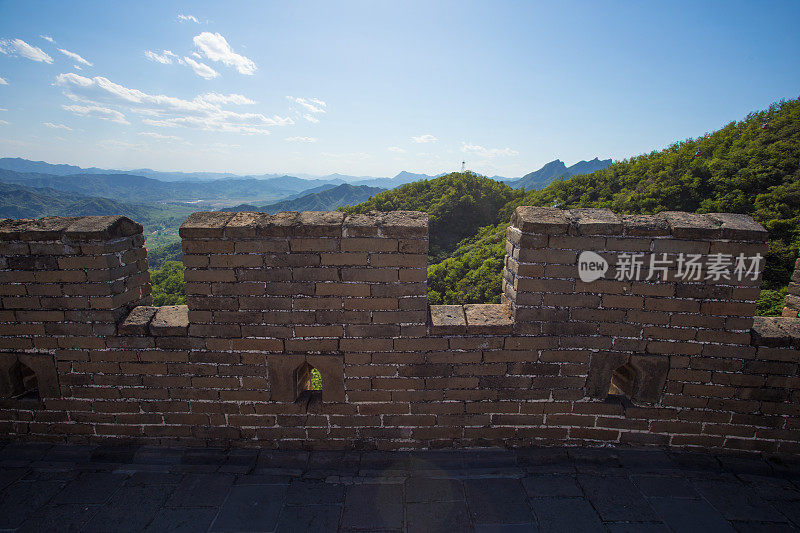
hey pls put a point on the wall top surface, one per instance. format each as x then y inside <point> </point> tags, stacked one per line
<point>70,228</point>
<point>591,221</point>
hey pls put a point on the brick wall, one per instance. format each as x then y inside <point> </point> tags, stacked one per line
<point>623,360</point>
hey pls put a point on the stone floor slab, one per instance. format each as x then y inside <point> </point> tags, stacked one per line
<point>130,509</point>
<point>616,499</point>
<point>68,517</point>
<point>736,502</point>
<point>373,506</point>
<point>251,508</point>
<point>201,490</point>
<point>497,501</point>
<point>682,514</point>
<point>309,519</point>
<point>420,489</point>
<point>22,499</point>
<point>664,486</point>
<point>438,517</point>
<point>302,492</point>
<point>565,515</point>
<point>91,487</point>
<point>182,519</point>
<point>552,486</point>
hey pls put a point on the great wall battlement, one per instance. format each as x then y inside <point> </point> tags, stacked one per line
<point>661,349</point>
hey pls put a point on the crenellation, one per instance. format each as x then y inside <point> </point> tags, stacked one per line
<point>661,361</point>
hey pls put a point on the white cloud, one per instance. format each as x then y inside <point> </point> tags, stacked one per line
<point>188,18</point>
<point>48,38</point>
<point>76,67</point>
<point>57,126</point>
<point>310,118</point>
<point>4,123</point>
<point>98,112</point>
<point>205,112</point>
<point>427,138</point>
<point>20,47</point>
<point>396,149</point>
<point>159,136</point>
<point>222,99</point>
<point>216,48</point>
<point>201,69</point>
<point>165,57</point>
<point>313,105</point>
<point>302,139</point>
<point>487,152</point>
<point>74,56</point>
<point>3,81</point>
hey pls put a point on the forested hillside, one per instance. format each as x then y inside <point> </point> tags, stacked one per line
<point>458,205</point>
<point>330,198</point>
<point>746,167</point>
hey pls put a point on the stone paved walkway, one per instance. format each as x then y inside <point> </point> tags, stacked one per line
<point>81,488</point>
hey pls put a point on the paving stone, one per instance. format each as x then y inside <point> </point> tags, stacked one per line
<point>506,528</point>
<point>771,488</point>
<point>182,519</point>
<point>434,517</point>
<point>114,454</point>
<point>545,460</point>
<point>25,451</point>
<point>646,460</point>
<point>309,519</point>
<point>10,475</point>
<point>567,515</point>
<point>131,508</point>
<point>154,478</point>
<point>665,486</point>
<point>328,458</point>
<point>789,509</point>
<point>286,459</point>
<point>240,461</point>
<point>264,479</point>
<point>497,501</point>
<point>51,475</point>
<point>433,490</point>
<point>695,461</point>
<point>682,514</point>
<point>552,486</point>
<point>201,490</point>
<point>637,527</point>
<point>763,527</point>
<point>91,487</point>
<point>744,464</point>
<point>736,502</point>
<point>68,517</point>
<point>616,499</point>
<point>22,499</point>
<point>153,455</point>
<point>69,453</point>
<point>596,461</point>
<point>204,456</point>
<point>373,506</point>
<point>314,493</point>
<point>251,508</point>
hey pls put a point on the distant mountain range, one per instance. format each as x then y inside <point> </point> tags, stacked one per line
<point>18,201</point>
<point>139,189</point>
<point>325,200</point>
<point>555,170</point>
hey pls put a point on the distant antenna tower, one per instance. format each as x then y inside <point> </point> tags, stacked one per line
<point>463,166</point>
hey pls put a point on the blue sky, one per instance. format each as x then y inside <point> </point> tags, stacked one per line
<point>372,88</point>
